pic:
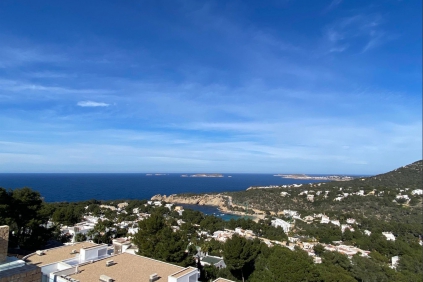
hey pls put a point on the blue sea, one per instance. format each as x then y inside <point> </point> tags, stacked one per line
<point>70,187</point>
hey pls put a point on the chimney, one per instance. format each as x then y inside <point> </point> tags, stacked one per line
<point>4,242</point>
<point>153,277</point>
<point>105,278</point>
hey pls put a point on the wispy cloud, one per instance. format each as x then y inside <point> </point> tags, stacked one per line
<point>234,91</point>
<point>92,104</point>
<point>359,33</point>
<point>332,5</point>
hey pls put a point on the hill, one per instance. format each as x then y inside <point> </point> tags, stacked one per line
<point>374,196</point>
<point>406,176</point>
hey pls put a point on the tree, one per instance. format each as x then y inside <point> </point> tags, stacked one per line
<point>239,254</point>
<point>25,220</point>
<point>155,239</point>
<point>318,249</point>
<point>283,264</point>
<point>102,232</point>
<point>80,237</point>
<point>5,200</point>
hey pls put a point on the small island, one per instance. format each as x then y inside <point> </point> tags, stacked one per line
<point>307,177</point>
<point>203,175</point>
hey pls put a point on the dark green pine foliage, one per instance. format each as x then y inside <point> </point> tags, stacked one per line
<point>155,239</point>
<point>21,209</point>
<point>282,264</point>
<point>239,255</point>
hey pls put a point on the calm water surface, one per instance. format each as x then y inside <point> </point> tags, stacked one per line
<point>71,187</point>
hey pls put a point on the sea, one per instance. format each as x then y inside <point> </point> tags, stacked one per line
<point>72,187</point>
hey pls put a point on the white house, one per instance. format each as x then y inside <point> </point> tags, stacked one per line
<point>325,219</point>
<point>402,197</point>
<point>335,222</point>
<point>213,260</point>
<point>290,213</point>
<point>286,226</point>
<point>346,226</point>
<point>389,236</point>
<point>351,221</point>
<point>169,206</point>
<point>284,194</point>
<point>394,262</point>
<point>417,192</point>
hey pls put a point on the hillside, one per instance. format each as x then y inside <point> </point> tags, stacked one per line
<point>378,198</point>
<point>406,176</point>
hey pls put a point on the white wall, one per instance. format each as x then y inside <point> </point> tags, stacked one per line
<point>92,253</point>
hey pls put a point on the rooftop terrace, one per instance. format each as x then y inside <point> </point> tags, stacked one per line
<point>127,268</point>
<point>57,254</point>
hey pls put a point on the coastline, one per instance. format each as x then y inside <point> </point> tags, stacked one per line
<point>219,201</point>
<point>254,217</point>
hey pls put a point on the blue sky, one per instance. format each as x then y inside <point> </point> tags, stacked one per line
<point>210,86</point>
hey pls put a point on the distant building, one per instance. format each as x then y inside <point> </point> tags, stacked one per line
<point>335,222</point>
<point>122,205</point>
<point>213,260</point>
<point>169,206</point>
<point>346,226</point>
<point>351,221</point>
<point>405,197</point>
<point>325,219</point>
<point>308,218</point>
<point>290,213</point>
<point>79,228</point>
<point>286,226</point>
<point>394,262</point>
<point>417,192</point>
<point>389,236</point>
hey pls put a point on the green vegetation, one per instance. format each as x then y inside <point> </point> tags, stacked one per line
<point>166,235</point>
<point>23,210</point>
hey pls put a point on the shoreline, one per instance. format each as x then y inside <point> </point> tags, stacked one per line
<point>222,203</point>
<point>254,217</point>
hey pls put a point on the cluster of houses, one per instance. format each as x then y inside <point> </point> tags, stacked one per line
<point>124,245</point>
<point>90,221</point>
<point>311,194</point>
<point>405,197</point>
<point>224,235</point>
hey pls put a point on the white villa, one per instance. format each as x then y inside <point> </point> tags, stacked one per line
<point>389,236</point>
<point>286,226</point>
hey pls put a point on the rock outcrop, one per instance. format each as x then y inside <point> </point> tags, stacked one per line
<point>216,200</point>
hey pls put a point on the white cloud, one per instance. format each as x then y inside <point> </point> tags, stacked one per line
<point>359,30</point>
<point>92,104</point>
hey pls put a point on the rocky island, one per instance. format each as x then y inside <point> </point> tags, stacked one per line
<point>203,175</point>
<point>308,177</point>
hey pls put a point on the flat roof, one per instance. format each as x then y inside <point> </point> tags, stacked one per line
<point>57,254</point>
<point>210,259</point>
<point>126,268</point>
<point>183,272</point>
<point>222,280</point>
